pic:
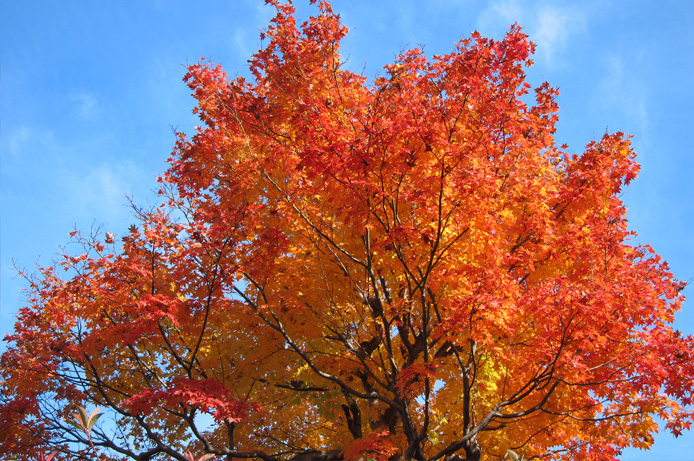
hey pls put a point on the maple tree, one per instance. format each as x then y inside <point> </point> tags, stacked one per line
<point>404,269</point>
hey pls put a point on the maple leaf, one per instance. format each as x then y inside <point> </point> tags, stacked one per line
<point>375,446</point>
<point>408,267</point>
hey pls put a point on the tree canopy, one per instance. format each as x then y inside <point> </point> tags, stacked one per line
<point>407,268</point>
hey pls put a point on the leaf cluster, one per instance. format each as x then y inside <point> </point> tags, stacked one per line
<point>409,269</point>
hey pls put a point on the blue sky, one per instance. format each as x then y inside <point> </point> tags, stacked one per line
<point>91,93</point>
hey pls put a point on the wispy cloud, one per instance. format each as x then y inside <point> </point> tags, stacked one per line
<point>47,172</point>
<point>552,29</point>
<point>241,44</point>
<point>17,140</point>
<point>26,142</point>
<point>85,104</point>
<point>623,90</point>
<point>550,26</point>
<point>500,14</point>
<point>101,193</point>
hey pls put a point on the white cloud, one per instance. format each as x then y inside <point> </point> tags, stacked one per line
<point>623,90</point>
<point>27,142</point>
<point>101,193</point>
<point>17,140</point>
<point>41,168</point>
<point>550,26</point>
<point>552,29</point>
<point>85,104</point>
<point>242,44</point>
<point>499,15</point>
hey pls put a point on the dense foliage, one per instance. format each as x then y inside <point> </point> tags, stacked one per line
<point>409,268</point>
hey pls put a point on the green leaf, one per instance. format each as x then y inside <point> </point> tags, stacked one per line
<point>93,418</point>
<point>83,416</point>
<point>514,456</point>
<point>74,422</point>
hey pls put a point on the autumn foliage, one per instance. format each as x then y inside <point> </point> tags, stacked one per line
<point>403,268</point>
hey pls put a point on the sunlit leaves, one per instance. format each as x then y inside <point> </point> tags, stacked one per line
<point>410,268</point>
